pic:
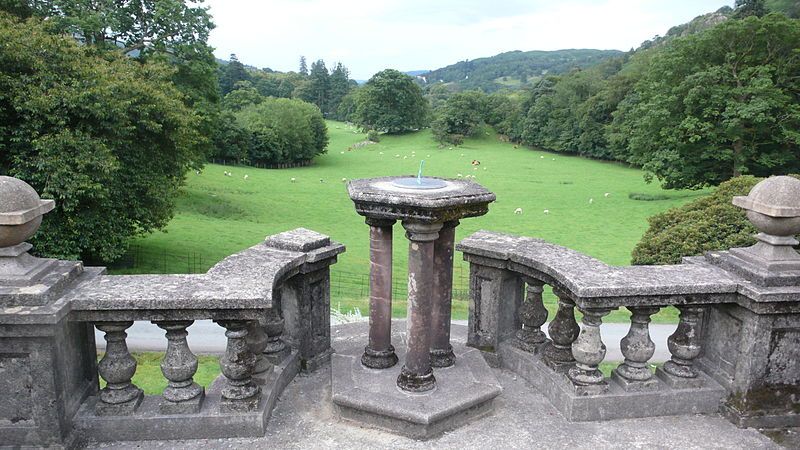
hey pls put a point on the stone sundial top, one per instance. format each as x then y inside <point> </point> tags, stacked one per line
<point>388,198</point>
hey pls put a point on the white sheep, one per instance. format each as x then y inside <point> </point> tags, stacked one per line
<point>380,153</point>
<point>344,180</point>
<point>547,211</point>
<point>293,179</point>
<point>342,153</point>
<point>541,157</point>
<point>606,194</point>
<point>246,176</point>
<point>591,200</point>
<point>459,175</point>
<point>518,211</point>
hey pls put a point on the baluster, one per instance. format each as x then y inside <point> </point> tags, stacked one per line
<point>532,315</point>
<point>563,330</point>
<point>276,349</point>
<point>240,393</point>
<point>182,395</point>
<point>637,348</point>
<point>256,343</point>
<point>120,396</point>
<point>589,351</point>
<point>684,345</point>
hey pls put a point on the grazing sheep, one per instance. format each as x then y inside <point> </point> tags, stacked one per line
<point>591,200</point>
<point>344,180</point>
<point>321,180</point>
<point>342,153</point>
<point>396,156</point>
<point>246,176</point>
<point>293,179</point>
<point>197,172</point>
<point>541,157</point>
<point>475,162</point>
<point>546,211</point>
<point>459,175</point>
<point>484,168</point>
<point>606,194</point>
<point>518,211</point>
<point>380,153</point>
<point>428,156</point>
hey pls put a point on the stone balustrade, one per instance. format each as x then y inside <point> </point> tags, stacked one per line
<point>272,299</point>
<point>507,313</point>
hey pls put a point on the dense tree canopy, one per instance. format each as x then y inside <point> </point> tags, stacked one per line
<point>109,138</point>
<point>391,102</point>
<point>721,103</point>
<point>283,130</point>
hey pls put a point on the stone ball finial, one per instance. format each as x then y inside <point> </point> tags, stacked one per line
<point>773,206</point>
<point>21,211</point>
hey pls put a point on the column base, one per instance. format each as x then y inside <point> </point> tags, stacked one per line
<point>443,357</point>
<point>123,408</point>
<point>379,359</point>
<point>558,358</point>
<point>412,382</point>
<point>678,382</point>
<point>190,406</point>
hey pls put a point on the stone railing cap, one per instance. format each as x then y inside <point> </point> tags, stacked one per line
<point>298,240</point>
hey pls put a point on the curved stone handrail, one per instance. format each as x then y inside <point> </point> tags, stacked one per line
<point>245,281</point>
<point>591,282</point>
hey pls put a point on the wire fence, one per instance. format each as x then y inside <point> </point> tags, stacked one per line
<point>356,285</point>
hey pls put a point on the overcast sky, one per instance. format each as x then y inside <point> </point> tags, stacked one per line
<point>371,35</point>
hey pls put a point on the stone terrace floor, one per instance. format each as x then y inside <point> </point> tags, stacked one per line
<point>304,418</point>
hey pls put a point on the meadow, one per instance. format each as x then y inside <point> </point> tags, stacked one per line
<point>587,202</point>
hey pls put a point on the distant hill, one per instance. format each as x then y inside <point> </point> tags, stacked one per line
<point>514,69</point>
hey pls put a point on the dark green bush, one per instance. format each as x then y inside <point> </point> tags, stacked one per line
<point>647,197</point>
<point>283,131</point>
<point>709,223</point>
<point>373,136</point>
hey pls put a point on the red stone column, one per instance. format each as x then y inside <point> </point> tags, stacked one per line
<point>379,354</point>
<point>417,374</point>
<point>441,350</point>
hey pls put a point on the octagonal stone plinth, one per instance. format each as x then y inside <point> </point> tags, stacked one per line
<point>369,397</point>
<point>381,198</point>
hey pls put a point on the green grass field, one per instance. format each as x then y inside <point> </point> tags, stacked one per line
<point>218,215</point>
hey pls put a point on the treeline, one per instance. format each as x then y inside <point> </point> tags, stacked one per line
<point>271,117</point>
<point>513,69</point>
<point>693,111</point>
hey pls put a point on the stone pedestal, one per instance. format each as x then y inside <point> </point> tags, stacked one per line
<point>429,210</point>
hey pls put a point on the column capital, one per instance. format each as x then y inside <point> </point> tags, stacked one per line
<point>421,232</point>
<point>379,222</point>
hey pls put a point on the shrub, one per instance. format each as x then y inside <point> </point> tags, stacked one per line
<point>647,197</point>
<point>283,130</point>
<point>709,223</point>
<point>373,136</point>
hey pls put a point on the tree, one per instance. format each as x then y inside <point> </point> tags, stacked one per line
<point>283,130</point>
<point>460,117</point>
<point>303,67</point>
<point>319,85</point>
<point>109,138</point>
<point>173,32</point>
<point>339,87</point>
<point>232,73</point>
<point>719,104</point>
<point>746,8</point>
<point>241,97</point>
<point>391,102</point>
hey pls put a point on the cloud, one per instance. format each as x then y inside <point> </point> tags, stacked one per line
<point>368,36</point>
